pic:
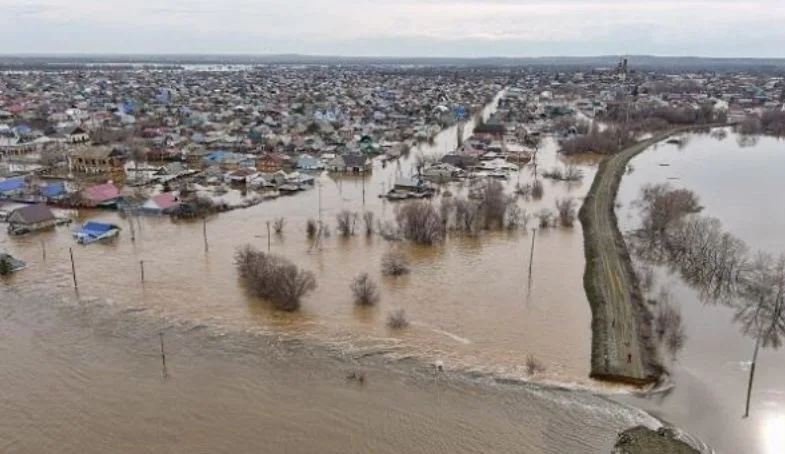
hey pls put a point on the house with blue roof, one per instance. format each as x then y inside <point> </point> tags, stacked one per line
<point>12,186</point>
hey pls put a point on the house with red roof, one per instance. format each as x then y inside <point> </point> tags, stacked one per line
<point>161,203</point>
<point>102,195</point>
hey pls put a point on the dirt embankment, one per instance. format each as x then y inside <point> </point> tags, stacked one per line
<point>623,349</point>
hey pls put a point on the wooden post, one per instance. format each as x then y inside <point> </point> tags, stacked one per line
<point>163,354</point>
<point>73,266</point>
<point>363,189</point>
<point>43,249</point>
<point>268,237</point>
<point>531,254</point>
<point>141,267</point>
<point>204,232</point>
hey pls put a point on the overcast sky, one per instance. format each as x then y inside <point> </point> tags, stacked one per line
<point>454,28</point>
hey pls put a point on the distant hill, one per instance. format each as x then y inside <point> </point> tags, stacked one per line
<point>636,61</point>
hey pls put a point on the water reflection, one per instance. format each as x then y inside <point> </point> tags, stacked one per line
<point>711,382</point>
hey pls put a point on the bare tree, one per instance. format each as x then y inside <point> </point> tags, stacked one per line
<point>421,223</point>
<point>395,263</point>
<point>494,205</point>
<point>368,219</point>
<point>669,327</point>
<point>365,291</point>
<point>661,205</point>
<point>347,222</point>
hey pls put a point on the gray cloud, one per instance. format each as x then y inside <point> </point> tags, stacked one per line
<point>396,27</point>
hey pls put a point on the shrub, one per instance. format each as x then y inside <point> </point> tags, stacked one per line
<point>534,365</point>
<point>397,319</point>
<point>545,217</point>
<point>311,228</point>
<point>278,225</point>
<point>537,190</point>
<point>365,291</point>
<point>566,211</point>
<point>273,278</point>
<point>395,263</point>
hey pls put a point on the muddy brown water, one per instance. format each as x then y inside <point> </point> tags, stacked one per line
<point>741,186</point>
<point>82,373</point>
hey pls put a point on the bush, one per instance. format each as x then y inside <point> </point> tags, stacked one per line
<point>421,223</point>
<point>347,221</point>
<point>566,211</point>
<point>545,217</point>
<point>534,365</point>
<point>395,263</point>
<point>368,220</point>
<point>669,328</point>
<point>397,319</point>
<point>278,225</point>
<point>523,190</point>
<point>365,291</point>
<point>311,228</point>
<point>537,190</point>
<point>273,278</point>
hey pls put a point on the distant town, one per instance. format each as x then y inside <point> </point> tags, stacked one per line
<point>154,139</point>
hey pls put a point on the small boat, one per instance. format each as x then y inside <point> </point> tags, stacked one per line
<point>13,264</point>
<point>92,231</point>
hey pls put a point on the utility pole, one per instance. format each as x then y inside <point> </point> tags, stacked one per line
<point>268,237</point>
<point>73,267</point>
<point>141,268</point>
<point>204,232</point>
<point>531,254</point>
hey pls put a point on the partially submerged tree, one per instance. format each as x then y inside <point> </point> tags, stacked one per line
<point>534,365</point>
<point>347,222</point>
<point>364,290</point>
<point>537,190</point>
<point>273,278</point>
<point>368,220</point>
<point>395,263</point>
<point>311,228</point>
<point>397,319</point>
<point>545,217</point>
<point>278,225</point>
<point>421,223</point>
<point>566,211</point>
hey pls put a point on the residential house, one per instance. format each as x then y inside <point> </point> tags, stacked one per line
<point>77,135</point>
<point>269,163</point>
<point>308,162</point>
<point>31,218</point>
<point>102,195</point>
<point>161,204</point>
<point>12,186</point>
<point>97,160</point>
<point>357,163</point>
<point>242,175</point>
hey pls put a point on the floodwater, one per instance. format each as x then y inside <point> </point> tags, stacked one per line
<point>741,184</point>
<point>82,370</point>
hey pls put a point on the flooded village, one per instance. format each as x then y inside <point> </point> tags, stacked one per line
<point>364,236</point>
